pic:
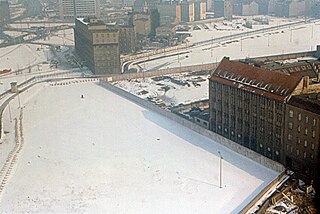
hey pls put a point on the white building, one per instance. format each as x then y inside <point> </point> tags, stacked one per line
<point>69,9</point>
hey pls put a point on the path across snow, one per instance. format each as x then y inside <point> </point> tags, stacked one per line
<point>104,154</point>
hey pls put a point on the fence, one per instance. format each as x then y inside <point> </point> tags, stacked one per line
<point>205,132</point>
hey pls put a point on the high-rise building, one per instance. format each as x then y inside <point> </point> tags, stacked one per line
<point>71,9</point>
<point>223,8</point>
<point>185,11</point>
<point>97,45</point>
<point>200,9</point>
<point>4,11</point>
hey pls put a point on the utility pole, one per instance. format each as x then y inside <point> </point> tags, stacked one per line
<point>211,46</point>
<point>220,170</point>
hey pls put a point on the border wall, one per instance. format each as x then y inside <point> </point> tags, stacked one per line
<point>205,132</point>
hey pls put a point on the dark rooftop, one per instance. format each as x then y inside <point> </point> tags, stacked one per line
<point>309,102</point>
<point>258,80</point>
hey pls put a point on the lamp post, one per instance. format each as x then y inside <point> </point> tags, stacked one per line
<point>220,170</point>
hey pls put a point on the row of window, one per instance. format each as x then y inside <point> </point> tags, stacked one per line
<point>313,132</point>
<point>299,142</point>
<point>314,121</point>
<point>298,152</point>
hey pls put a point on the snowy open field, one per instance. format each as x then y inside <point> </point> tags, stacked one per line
<point>22,55</point>
<point>104,154</point>
<point>289,40</point>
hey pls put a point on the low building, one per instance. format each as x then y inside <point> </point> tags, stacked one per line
<point>165,31</point>
<point>97,45</point>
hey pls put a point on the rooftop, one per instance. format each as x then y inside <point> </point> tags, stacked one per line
<point>301,68</point>
<point>309,102</point>
<point>255,79</point>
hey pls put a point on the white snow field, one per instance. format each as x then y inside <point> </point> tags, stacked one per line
<point>105,154</point>
<point>290,40</point>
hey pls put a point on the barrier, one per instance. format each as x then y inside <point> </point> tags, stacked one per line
<point>198,129</point>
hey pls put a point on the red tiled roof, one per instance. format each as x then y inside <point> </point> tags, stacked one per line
<point>255,79</point>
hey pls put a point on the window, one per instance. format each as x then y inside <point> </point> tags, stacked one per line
<point>307,119</point>
<point>298,152</point>
<point>311,157</point>
<point>277,153</point>
<point>290,125</point>
<point>313,133</point>
<point>291,113</point>
<point>298,141</point>
<point>299,129</point>
<point>289,136</point>
<point>299,117</point>
<point>314,122</point>
<point>312,146</point>
<point>304,155</point>
<point>261,146</point>
<point>305,143</point>
<point>306,131</point>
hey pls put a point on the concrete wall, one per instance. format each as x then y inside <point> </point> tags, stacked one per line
<point>154,73</point>
<point>205,132</point>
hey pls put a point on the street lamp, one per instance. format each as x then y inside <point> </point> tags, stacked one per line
<point>220,170</point>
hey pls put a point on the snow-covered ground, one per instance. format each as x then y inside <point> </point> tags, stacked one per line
<point>289,40</point>
<point>21,56</point>
<point>62,37</point>
<point>196,88</point>
<point>104,154</point>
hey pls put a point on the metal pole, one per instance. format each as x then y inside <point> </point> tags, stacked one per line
<point>19,99</point>
<point>10,113</point>
<point>220,170</point>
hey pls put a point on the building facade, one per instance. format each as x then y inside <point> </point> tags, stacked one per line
<point>4,11</point>
<point>247,106</point>
<point>98,46</point>
<point>302,134</point>
<point>200,9</point>
<point>127,38</point>
<point>71,9</point>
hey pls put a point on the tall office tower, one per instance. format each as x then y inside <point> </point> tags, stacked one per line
<point>4,11</point>
<point>71,9</point>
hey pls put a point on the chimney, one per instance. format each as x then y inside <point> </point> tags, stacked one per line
<point>306,82</point>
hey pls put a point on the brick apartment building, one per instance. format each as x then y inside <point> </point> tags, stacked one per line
<point>253,105</point>
<point>302,136</point>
